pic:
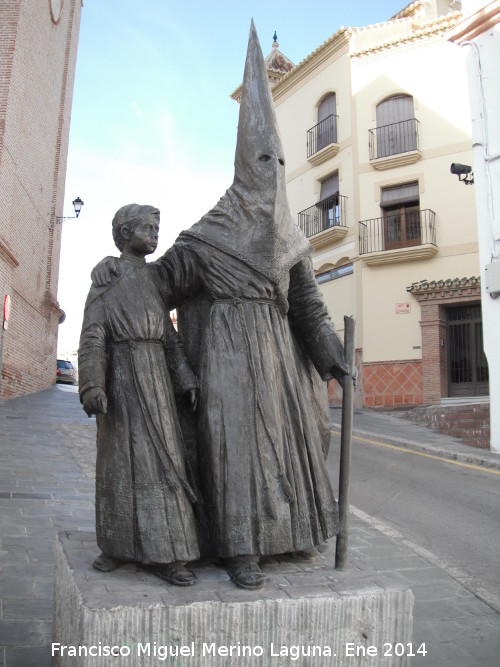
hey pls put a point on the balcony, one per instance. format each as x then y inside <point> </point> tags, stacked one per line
<point>398,237</point>
<point>394,145</point>
<point>322,141</point>
<point>325,222</point>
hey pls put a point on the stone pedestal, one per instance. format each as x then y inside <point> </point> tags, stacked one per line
<point>308,614</point>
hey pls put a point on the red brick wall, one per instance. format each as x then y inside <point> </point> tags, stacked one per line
<point>434,361</point>
<point>38,59</point>
<point>469,422</point>
<point>392,383</point>
<point>383,384</point>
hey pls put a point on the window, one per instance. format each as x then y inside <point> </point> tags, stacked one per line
<point>401,208</point>
<point>333,274</point>
<point>328,204</point>
<point>327,121</point>
<point>328,214</point>
<point>324,133</point>
<point>64,364</point>
<point>396,126</point>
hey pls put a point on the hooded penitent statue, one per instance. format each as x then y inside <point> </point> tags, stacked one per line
<point>258,335</point>
<point>262,344</point>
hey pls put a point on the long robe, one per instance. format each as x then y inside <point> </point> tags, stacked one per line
<point>129,349</point>
<point>263,427</point>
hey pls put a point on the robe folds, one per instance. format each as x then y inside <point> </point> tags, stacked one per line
<point>144,490</point>
<point>261,350</point>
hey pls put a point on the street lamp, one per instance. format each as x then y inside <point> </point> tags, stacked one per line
<point>77,205</point>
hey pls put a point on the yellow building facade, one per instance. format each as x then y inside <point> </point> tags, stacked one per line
<point>371,122</point>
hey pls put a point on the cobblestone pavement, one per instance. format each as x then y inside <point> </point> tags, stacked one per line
<point>47,450</point>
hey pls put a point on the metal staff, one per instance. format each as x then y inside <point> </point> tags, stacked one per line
<point>345,446</point>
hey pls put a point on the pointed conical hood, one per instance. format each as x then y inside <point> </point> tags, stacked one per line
<point>252,221</point>
<point>258,133</point>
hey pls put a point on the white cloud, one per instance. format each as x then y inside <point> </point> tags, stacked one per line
<point>183,194</point>
<point>137,110</point>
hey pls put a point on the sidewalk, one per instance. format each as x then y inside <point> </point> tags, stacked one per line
<point>399,431</point>
<point>47,450</point>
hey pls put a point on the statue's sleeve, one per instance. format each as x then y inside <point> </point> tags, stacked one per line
<point>92,352</point>
<point>181,373</point>
<point>179,272</point>
<point>311,323</point>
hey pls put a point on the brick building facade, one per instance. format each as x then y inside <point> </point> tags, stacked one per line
<point>38,49</point>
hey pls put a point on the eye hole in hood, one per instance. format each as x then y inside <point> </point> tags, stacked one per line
<point>266,158</point>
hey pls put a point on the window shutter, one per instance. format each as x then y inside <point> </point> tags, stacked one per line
<point>329,187</point>
<point>328,107</point>
<point>399,194</point>
<point>327,122</point>
<point>394,110</point>
<point>396,129</point>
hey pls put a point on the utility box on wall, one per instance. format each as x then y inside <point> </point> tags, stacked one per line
<point>492,279</point>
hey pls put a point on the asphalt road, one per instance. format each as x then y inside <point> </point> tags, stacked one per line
<point>448,508</point>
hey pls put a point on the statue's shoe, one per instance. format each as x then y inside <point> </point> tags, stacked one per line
<point>174,573</point>
<point>245,573</point>
<point>105,563</point>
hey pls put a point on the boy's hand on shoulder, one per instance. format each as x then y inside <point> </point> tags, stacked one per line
<point>102,273</point>
<point>94,402</point>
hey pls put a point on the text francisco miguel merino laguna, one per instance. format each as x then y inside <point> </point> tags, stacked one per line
<point>294,652</point>
<point>164,651</point>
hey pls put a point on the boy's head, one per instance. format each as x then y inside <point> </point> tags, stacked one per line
<point>135,227</point>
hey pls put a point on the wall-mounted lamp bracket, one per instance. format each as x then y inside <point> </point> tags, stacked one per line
<point>77,205</point>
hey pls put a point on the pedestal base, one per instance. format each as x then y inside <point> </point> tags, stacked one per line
<point>308,614</point>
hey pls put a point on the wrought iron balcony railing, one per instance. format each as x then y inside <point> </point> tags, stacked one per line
<point>397,230</point>
<point>393,139</point>
<point>329,212</point>
<point>322,135</point>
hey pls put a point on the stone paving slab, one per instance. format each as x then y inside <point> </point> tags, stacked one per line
<point>47,446</point>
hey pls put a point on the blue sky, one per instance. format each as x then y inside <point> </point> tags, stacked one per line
<point>152,120</point>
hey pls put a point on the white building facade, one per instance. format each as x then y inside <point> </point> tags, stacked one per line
<point>369,137</point>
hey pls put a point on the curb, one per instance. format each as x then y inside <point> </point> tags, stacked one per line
<point>489,460</point>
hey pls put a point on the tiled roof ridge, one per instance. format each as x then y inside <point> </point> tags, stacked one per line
<point>431,27</point>
<point>342,31</point>
<point>409,10</point>
<point>425,285</point>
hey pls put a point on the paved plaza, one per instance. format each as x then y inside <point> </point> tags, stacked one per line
<point>47,451</point>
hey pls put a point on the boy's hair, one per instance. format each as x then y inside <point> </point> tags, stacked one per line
<point>128,216</point>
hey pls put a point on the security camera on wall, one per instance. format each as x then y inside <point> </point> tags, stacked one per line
<point>463,171</point>
<point>460,169</point>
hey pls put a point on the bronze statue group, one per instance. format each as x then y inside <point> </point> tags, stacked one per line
<point>212,442</point>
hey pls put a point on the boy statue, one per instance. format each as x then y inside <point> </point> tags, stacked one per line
<point>131,365</point>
